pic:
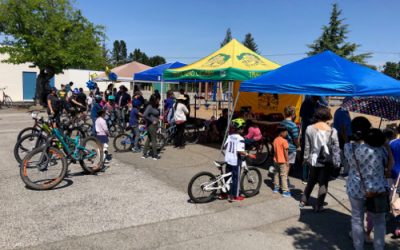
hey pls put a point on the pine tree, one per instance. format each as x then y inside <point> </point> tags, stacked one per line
<point>123,51</point>
<point>392,69</point>
<point>116,52</point>
<point>334,38</point>
<point>228,37</point>
<point>249,43</point>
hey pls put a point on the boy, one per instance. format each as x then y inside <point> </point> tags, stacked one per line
<point>281,160</point>
<point>134,123</point>
<point>234,148</point>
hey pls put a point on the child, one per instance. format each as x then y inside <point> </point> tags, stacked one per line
<point>102,133</point>
<point>134,123</point>
<point>234,148</point>
<point>253,134</point>
<point>281,160</point>
<point>94,111</point>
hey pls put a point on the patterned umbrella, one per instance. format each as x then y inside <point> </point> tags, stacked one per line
<point>383,106</point>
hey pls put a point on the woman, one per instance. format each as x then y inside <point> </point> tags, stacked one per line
<point>370,160</point>
<point>180,113</point>
<point>318,139</point>
<point>108,92</point>
<point>151,115</point>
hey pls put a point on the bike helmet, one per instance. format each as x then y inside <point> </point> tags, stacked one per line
<point>98,97</point>
<point>238,123</point>
<point>75,91</point>
<point>111,98</point>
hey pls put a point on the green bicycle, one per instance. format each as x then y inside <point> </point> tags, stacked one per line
<point>46,166</point>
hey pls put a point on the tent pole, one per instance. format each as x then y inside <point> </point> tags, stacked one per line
<point>162,96</point>
<point>229,121</point>
<point>380,123</point>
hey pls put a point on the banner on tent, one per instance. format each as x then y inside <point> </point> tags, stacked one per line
<point>266,103</point>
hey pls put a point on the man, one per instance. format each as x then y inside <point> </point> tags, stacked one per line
<point>222,122</point>
<point>122,98</point>
<point>62,94</point>
<point>54,106</point>
<point>81,98</point>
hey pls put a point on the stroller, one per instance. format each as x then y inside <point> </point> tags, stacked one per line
<point>395,207</point>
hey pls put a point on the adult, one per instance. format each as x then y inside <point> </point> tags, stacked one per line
<point>68,87</point>
<point>342,123</point>
<point>168,104</point>
<point>62,94</point>
<point>122,99</point>
<point>75,104</point>
<point>318,139</point>
<point>180,113</point>
<point>151,115</point>
<point>307,111</point>
<point>157,94</point>
<point>108,92</point>
<point>54,106</point>
<point>222,122</point>
<point>367,162</point>
<point>187,101</point>
<point>82,98</point>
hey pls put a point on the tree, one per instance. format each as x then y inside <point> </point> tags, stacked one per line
<point>156,60</point>
<point>228,37</point>
<point>51,35</point>
<point>139,56</point>
<point>119,52</point>
<point>334,38</point>
<point>249,43</point>
<point>392,69</point>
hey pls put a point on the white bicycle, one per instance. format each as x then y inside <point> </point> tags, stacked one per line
<point>203,186</point>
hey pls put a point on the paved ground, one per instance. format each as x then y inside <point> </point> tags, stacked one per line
<point>142,204</point>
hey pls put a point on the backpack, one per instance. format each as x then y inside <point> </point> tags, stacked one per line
<point>332,157</point>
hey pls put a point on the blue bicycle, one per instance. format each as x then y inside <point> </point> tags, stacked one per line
<point>124,142</point>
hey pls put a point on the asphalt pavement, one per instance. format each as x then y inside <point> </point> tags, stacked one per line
<point>143,204</point>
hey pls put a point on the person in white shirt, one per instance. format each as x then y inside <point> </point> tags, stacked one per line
<point>180,113</point>
<point>102,132</point>
<point>234,149</point>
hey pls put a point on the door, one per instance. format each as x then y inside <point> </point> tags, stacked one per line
<point>28,85</point>
<point>52,82</point>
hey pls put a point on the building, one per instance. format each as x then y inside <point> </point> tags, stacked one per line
<point>20,79</point>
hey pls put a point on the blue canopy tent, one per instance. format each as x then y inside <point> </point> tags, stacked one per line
<point>325,74</point>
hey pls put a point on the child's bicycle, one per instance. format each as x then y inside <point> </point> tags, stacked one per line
<point>124,142</point>
<point>203,186</point>
<point>46,166</point>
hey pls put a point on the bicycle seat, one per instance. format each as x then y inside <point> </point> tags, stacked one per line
<point>219,163</point>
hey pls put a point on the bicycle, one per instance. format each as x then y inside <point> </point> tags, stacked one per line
<point>124,142</point>
<point>262,149</point>
<point>39,169</point>
<point>203,186</point>
<point>191,134</point>
<point>7,101</point>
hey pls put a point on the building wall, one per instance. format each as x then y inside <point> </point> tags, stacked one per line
<point>11,77</point>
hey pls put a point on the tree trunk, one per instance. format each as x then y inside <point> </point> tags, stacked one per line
<point>43,86</point>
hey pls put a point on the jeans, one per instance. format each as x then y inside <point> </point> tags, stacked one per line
<point>321,176</point>
<point>151,138</point>
<point>136,134</point>
<point>357,225</point>
<point>235,186</point>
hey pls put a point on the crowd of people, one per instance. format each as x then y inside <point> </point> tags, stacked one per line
<point>128,110</point>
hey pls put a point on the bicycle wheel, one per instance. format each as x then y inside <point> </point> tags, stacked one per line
<point>262,152</point>
<point>196,186</point>
<point>27,131</point>
<point>43,168</point>
<point>115,130</point>
<point>91,155</point>
<point>191,135</point>
<point>86,128</point>
<point>160,141</point>
<point>8,102</point>
<point>250,182</point>
<point>122,143</point>
<point>26,144</point>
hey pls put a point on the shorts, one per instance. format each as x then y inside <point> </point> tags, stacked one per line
<point>292,157</point>
<point>103,138</point>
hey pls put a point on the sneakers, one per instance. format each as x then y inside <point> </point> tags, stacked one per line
<point>145,156</point>
<point>286,194</point>
<point>136,150</point>
<point>156,157</point>
<point>276,190</point>
<point>223,196</point>
<point>235,199</point>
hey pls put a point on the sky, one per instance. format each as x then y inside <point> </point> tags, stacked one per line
<point>188,30</point>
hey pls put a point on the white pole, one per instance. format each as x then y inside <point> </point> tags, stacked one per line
<point>229,121</point>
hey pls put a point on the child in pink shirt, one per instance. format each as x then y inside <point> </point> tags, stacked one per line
<point>253,134</point>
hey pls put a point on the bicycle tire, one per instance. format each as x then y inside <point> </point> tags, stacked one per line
<point>8,102</point>
<point>115,130</point>
<point>194,197</point>
<point>191,135</point>
<point>21,150</point>
<point>252,176</point>
<point>28,130</point>
<point>87,128</point>
<point>120,144</point>
<point>89,166</point>
<point>46,161</point>
<point>262,154</point>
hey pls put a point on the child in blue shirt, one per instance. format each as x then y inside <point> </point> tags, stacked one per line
<point>134,123</point>
<point>94,111</point>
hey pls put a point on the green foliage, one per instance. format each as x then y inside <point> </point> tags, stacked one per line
<point>250,43</point>
<point>119,53</point>
<point>228,37</point>
<point>392,69</point>
<point>51,34</point>
<point>334,38</point>
<point>139,56</point>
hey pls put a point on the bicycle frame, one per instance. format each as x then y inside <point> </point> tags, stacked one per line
<point>65,140</point>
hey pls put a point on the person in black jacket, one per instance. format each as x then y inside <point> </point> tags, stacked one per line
<point>151,115</point>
